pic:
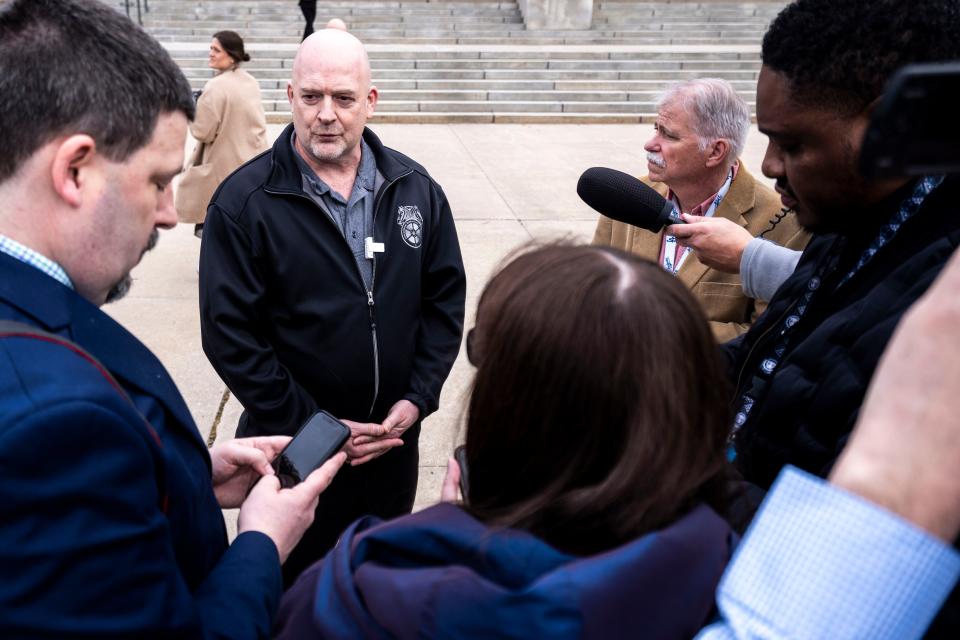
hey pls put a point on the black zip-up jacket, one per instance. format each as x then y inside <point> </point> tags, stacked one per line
<point>285,317</point>
<point>814,397</point>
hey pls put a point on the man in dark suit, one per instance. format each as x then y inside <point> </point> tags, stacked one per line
<point>110,521</point>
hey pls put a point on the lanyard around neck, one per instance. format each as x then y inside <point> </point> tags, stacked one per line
<point>760,381</point>
<point>673,257</point>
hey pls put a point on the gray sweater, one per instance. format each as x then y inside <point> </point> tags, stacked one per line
<point>764,266</point>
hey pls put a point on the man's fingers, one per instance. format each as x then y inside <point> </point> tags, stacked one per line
<point>359,451</point>
<point>247,456</point>
<point>393,419</point>
<point>270,445</point>
<point>401,415</point>
<point>367,439</point>
<point>315,483</point>
<point>364,428</point>
<point>367,452</point>
<point>267,485</point>
<point>680,230</point>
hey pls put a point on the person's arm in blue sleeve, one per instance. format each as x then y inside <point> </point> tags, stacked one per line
<point>867,556</point>
<point>819,562</point>
<point>87,550</point>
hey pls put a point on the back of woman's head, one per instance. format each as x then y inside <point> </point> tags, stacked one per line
<point>232,44</point>
<point>599,409</point>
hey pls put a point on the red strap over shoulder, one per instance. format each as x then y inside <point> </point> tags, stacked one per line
<point>11,329</point>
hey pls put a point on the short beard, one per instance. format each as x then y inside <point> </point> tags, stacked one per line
<point>119,290</point>
<point>122,288</point>
<point>324,157</point>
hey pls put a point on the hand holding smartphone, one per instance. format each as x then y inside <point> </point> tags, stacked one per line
<point>315,442</point>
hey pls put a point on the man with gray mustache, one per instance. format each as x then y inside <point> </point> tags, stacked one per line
<point>693,161</point>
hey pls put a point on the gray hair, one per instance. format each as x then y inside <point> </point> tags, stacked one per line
<point>717,110</point>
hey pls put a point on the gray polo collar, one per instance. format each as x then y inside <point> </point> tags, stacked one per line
<point>366,174</point>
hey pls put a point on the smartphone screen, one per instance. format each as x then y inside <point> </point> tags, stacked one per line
<point>317,441</point>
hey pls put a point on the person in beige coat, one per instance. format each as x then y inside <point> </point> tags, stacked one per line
<point>693,160</point>
<point>230,128</point>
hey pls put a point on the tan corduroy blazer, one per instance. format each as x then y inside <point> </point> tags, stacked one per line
<point>748,203</point>
<point>230,128</point>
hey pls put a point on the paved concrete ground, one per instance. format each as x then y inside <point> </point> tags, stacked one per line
<point>507,185</point>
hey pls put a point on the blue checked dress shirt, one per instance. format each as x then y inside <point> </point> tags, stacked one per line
<point>28,256</point>
<point>819,562</point>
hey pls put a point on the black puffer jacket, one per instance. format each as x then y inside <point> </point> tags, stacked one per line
<point>815,394</point>
<point>285,317</point>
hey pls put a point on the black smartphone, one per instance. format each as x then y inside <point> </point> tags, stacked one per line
<point>315,442</point>
<point>460,455</point>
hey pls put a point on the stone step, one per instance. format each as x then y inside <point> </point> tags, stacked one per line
<point>474,61</point>
<point>439,21</point>
<point>521,75</point>
<point>505,95</point>
<point>385,86</point>
<point>197,56</point>
<point>503,118</point>
<point>284,6</point>
<point>278,79</point>
<point>489,34</point>
<point>531,117</point>
<point>379,29</point>
<point>531,40</point>
<point>537,106</point>
<point>704,66</point>
<point>443,20</point>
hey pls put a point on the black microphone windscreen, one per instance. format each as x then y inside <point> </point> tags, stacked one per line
<point>622,197</point>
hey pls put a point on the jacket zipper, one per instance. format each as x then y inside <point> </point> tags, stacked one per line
<point>363,287</point>
<point>376,352</point>
<point>373,278</point>
<point>370,305</point>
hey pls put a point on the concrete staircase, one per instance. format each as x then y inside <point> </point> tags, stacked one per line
<point>474,60</point>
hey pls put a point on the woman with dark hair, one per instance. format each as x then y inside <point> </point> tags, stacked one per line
<point>230,128</point>
<point>595,445</point>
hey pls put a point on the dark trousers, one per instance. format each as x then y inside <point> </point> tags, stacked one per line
<point>384,487</point>
<point>309,10</point>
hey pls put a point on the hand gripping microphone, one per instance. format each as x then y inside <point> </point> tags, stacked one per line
<point>623,198</point>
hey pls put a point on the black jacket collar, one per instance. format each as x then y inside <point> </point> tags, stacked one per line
<point>285,174</point>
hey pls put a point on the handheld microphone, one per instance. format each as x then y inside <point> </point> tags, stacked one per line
<point>623,198</point>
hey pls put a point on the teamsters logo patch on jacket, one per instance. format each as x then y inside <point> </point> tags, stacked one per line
<point>411,225</point>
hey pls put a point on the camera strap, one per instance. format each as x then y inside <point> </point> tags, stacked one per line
<point>12,329</point>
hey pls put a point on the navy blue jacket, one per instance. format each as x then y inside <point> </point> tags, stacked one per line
<point>87,545</point>
<point>440,573</point>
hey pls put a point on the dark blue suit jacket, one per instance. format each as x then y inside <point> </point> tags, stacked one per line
<point>86,545</point>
